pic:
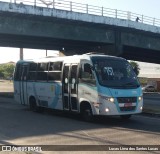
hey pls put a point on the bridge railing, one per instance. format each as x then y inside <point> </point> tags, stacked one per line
<point>89,9</point>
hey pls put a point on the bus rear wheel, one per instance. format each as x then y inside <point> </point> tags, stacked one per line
<point>34,107</point>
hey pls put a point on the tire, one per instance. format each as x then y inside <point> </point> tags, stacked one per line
<point>34,107</point>
<point>125,117</point>
<point>32,104</point>
<point>87,114</point>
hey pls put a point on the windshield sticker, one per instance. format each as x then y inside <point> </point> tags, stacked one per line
<point>109,71</point>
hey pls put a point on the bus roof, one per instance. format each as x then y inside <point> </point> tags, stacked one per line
<point>73,58</point>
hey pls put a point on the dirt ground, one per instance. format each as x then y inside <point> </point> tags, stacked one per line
<point>6,86</point>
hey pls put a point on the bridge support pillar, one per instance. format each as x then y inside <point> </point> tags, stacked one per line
<point>21,53</point>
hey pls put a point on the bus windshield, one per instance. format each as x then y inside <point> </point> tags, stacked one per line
<point>114,72</point>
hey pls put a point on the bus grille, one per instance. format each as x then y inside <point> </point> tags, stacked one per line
<point>131,108</point>
<point>127,99</point>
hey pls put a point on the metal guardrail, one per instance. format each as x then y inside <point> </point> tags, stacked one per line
<point>89,9</point>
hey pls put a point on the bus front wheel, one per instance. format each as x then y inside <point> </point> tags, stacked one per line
<point>87,114</point>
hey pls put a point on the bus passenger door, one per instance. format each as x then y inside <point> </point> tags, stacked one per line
<point>23,84</point>
<point>65,87</point>
<point>70,87</point>
<point>73,87</point>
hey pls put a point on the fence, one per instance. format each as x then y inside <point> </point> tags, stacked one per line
<point>89,9</point>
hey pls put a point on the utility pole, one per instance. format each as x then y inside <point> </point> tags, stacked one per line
<point>21,53</point>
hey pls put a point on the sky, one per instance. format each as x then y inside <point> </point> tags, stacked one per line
<point>144,7</point>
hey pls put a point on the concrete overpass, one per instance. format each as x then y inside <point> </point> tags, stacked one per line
<point>27,26</point>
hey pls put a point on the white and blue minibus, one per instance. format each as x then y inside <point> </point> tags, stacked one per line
<point>88,84</point>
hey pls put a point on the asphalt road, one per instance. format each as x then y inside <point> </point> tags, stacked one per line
<point>19,126</point>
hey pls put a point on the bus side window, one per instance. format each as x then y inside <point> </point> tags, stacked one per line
<point>55,71</point>
<point>86,71</point>
<point>42,71</point>
<point>32,71</point>
<point>17,72</point>
<point>87,74</point>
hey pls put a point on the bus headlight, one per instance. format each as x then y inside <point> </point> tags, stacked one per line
<point>140,98</point>
<point>107,109</point>
<point>110,99</point>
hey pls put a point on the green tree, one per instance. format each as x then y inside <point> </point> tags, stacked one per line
<point>6,70</point>
<point>135,66</point>
<point>1,74</point>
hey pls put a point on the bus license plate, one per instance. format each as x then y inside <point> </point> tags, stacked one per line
<point>127,104</point>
